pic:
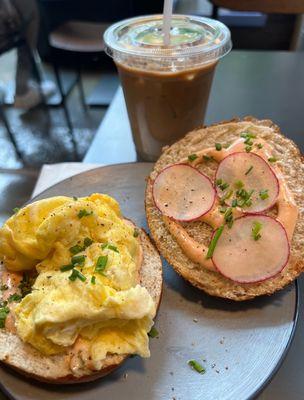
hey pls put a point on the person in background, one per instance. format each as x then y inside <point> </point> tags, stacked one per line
<point>28,94</point>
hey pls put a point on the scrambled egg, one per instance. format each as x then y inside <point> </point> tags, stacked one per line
<point>87,258</point>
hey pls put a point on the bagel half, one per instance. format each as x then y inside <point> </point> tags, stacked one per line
<point>291,164</point>
<point>55,369</point>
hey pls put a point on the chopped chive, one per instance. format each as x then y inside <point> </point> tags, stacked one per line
<point>14,297</point>
<point>114,248</point>
<point>16,209</point>
<point>272,159</point>
<point>78,260</point>
<point>196,366</point>
<point>224,186</point>
<point>3,288</point>
<point>226,145</point>
<point>259,145</point>
<point>227,195</point>
<point>245,196</point>
<point>223,210</point>
<point>242,193</point>
<point>218,146</point>
<point>77,274</point>
<point>228,212</point>
<point>248,203</point>
<point>136,233</point>
<point>101,264</point>
<point>65,268</point>
<point>3,307</point>
<point>192,157</point>
<point>73,275</point>
<point>2,320</point>
<point>153,332</point>
<point>93,280</point>
<point>255,231</point>
<point>214,241</point>
<point>207,158</point>
<point>3,314</point>
<point>230,223</point>
<point>80,276</point>
<point>84,213</point>
<point>228,217</point>
<point>264,194</point>
<point>249,170</point>
<point>110,247</point>
<point>75,198</point>
<point>87,242</point>
<point>239,184</point>
<point>248,148</point>
<point>76,249</point>
<point>248,135</point>
<point>248,141</point>
<point>234,203</point>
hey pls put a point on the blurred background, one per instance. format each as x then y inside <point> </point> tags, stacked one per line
<point>57,121</point>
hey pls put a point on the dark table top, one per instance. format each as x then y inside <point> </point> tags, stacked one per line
<point>261,84</point>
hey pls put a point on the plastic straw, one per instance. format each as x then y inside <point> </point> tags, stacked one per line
<point>168,8</point>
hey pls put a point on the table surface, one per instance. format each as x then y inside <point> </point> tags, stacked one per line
<point>262,84</point>
<point>235,341</point>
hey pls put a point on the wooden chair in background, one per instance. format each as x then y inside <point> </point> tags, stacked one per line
<point>295,7</point>
<point>76,37</point>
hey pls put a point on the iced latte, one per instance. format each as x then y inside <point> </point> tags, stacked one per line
<point>166,88</point>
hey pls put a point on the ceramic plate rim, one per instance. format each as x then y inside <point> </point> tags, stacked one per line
<point>276,368</point>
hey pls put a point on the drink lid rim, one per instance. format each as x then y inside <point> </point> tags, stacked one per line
<point>211,51</point>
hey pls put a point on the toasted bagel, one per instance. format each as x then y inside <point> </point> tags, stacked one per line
<point>28,361</point>
<point>290,163</point>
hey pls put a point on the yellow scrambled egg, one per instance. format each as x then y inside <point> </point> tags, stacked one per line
<point>87,258</point>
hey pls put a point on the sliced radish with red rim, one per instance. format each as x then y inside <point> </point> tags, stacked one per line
<point>182,192</point>
<point>242,175</point>
<point>246,254</point>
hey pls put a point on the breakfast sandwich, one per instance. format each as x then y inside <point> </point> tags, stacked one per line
<point>225,208</point>
<point>80,287</point>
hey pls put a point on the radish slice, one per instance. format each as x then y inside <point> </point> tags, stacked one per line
<point>183,193</point>
<point>250,172</point>
<point>241,258</point>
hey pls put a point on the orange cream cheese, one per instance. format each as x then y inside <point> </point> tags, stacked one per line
<point>287,210</point>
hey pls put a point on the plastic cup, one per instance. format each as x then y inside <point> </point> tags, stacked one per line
<point>166,88</point>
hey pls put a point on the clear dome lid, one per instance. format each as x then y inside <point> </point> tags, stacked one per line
<point>203,38</point>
